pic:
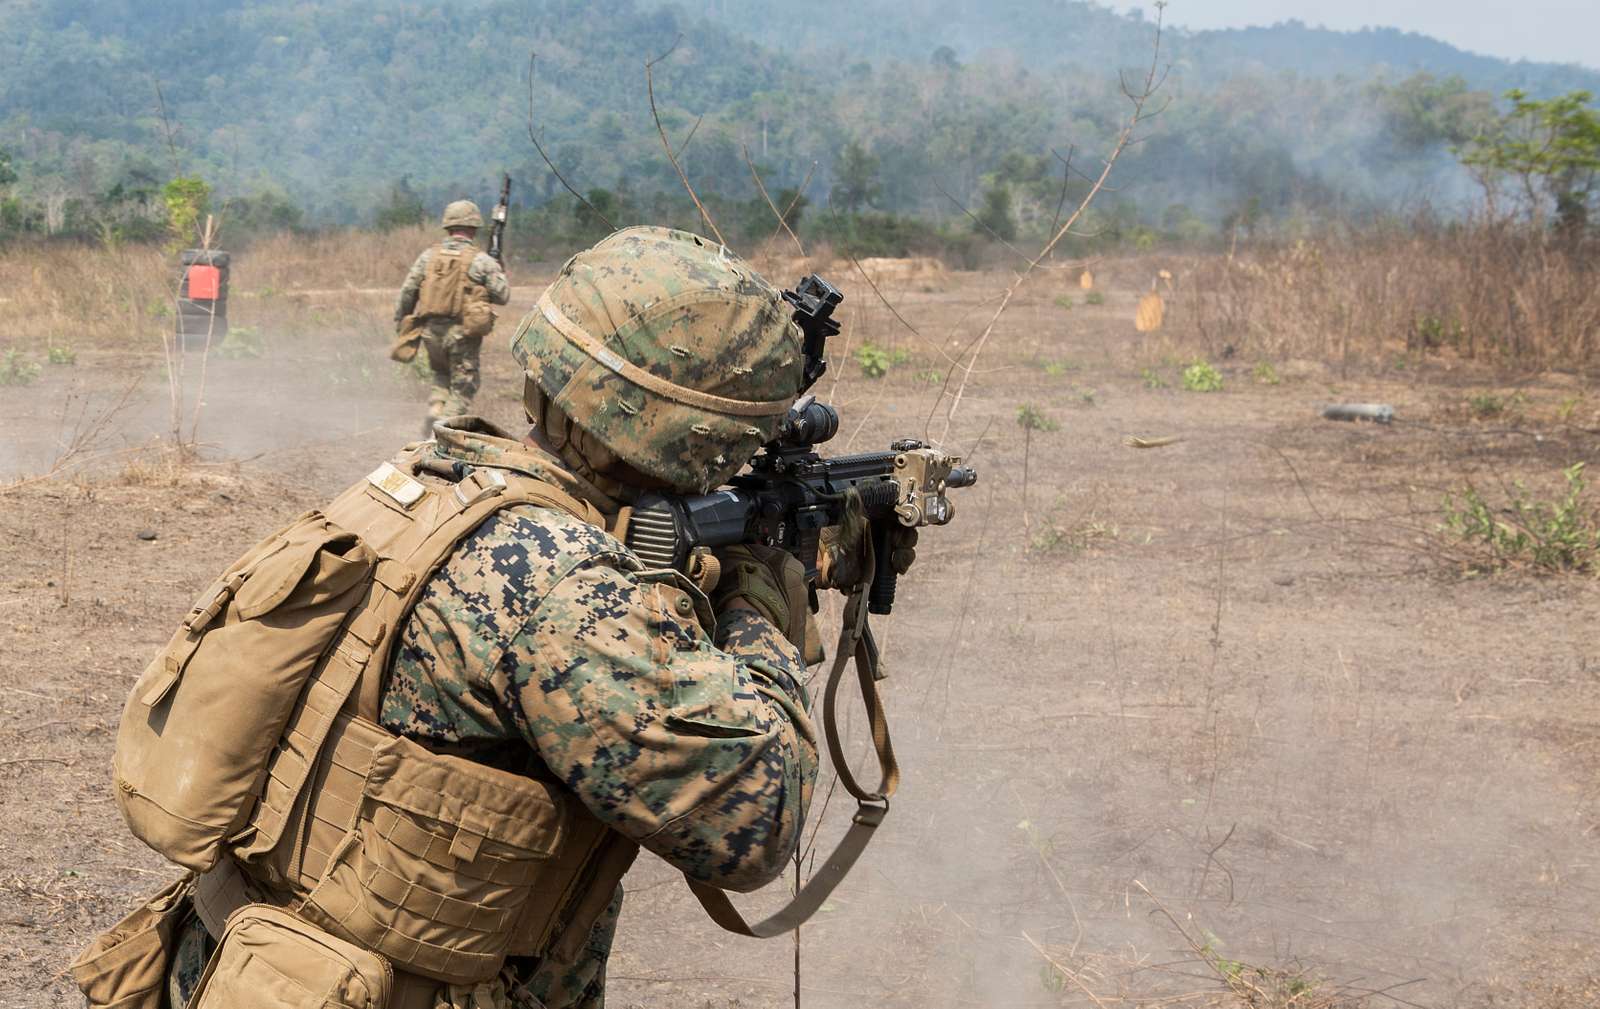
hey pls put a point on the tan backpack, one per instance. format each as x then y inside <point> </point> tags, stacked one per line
<point>224,726</point>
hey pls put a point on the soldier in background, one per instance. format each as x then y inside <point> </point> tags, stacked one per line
<point>444,306</point>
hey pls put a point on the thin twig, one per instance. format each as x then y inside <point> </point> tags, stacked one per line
<point>533,136</point>
<point>666,145</point>
<point>799,194</point>
<point>1135,118</point>
<point>782,220</point>
<point>980,222</point>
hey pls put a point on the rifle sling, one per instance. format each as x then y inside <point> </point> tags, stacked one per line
<point>855,642</point>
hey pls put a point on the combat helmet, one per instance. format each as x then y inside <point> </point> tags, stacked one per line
<point>668,349</point>
<point>462,214</point>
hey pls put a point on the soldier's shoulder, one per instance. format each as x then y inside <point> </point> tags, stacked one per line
<point>484,261</point>
<point>535,547</point>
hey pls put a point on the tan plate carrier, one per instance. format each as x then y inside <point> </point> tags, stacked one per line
<point>442,865</point>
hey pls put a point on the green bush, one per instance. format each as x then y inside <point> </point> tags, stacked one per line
<point>1094,298</point>
<point>876,361</point>
<point>1031,418</point>
<point>1202,377</point>
<point>1264,373</point>
<point>16,369</point>
<point>62,355</point>
<point>1558,535</point>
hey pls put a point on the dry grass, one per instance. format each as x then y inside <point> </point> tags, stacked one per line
<point>1490,293</point>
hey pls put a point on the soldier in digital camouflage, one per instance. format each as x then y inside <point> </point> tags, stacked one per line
<point>444,303</point>
<point>656,361</point>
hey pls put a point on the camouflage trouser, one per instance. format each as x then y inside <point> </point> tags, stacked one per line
<point>193,951</point>
<point>454,360</point>
<point>582,983</point>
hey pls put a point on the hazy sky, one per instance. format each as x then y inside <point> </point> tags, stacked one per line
<point>1563,31</point>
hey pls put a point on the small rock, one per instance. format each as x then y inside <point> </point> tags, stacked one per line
<point>147,535</point>
<point>1284,580</point>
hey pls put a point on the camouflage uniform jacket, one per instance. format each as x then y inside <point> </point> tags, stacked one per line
<point>482,270</point>
<point>538,632</point>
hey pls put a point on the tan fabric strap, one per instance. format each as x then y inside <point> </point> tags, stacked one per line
<point>855,642</point>
<point>597,351</point>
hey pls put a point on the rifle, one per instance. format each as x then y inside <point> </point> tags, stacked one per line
<point>786,497</point>
<point>497,229</point>
<point>791,492</point>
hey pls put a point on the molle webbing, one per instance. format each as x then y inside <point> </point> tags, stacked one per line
<point>443,865</point>
<point>444,283</point>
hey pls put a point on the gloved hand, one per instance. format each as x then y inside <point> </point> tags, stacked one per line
<point>842,554</point>
<point>768,580</point>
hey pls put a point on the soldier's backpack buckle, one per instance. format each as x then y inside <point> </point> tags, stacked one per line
<point>479,484</point>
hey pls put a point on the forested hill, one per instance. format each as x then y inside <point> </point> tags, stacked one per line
<point>332,103</point>
<point>1051,33</point>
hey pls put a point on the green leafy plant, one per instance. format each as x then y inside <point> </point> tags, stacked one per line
<point>876,361</point>
<point>1265,374</point>
<point>1152,379</point>
<point>1058,367</point>
<point>61,354</point>
<point>1558,535</point>
<point>933,376</point>
<point>1086,395</point>
<point>1094,298</point>
<point>1064,301</point>
<point>1202,377</point>
<point>16,369</point>
<point>1031,418</point>
<point>242,342</point>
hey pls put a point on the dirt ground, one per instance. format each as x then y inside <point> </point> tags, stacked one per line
<point>1230,694</point>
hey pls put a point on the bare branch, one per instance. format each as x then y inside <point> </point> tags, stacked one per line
<point>166,124</point>
<point>1139,100</point>
<point>799,194</point>
<point>979,222</point>
<point>1066,177</point>
<point>783,221</point>
<point>650,88</point>
<point>534,136</point>
<point>692,131</point>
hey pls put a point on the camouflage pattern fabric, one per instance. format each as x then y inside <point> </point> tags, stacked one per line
<point>452,356</point>
<point>542,631</point>
<point>453,359</point>
<point>189,957</point>
<point>669,349</point>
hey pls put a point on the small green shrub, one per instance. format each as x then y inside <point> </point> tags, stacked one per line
<point>62,355</point>
<point>1264,373</point>
<point>1064,301</point>
<point>1152,379</point>
<point>1031,418</point>
<point>1094,298</point>
<point>1558,535</point>
<point>16,369</point>
<point>1086,395</point>
<point>242,342</point>
<point>1057,368</point>
<point>876,361</point>
<point>1202,377</point>
<point>933,376</point>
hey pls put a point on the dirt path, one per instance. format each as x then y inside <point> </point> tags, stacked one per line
<point>1228,673</point>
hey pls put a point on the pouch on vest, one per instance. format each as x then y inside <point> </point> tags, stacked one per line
<point>477,317</point>
<point>126,966</point>
<point>271,959</point>
<point>196,736</point>
<point>443,859</point>
<point>444,283</point>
